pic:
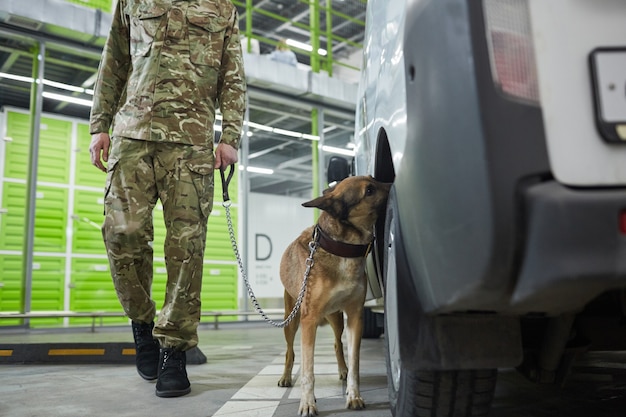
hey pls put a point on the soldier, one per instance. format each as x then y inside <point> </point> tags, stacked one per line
<point>164,69</point>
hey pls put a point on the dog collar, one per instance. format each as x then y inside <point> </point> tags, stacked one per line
<point>345,250</point>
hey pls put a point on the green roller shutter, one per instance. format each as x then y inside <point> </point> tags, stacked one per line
<point>12,217</point>
<point>218,246</point>
<point>159,282</point>
<point>70,269</point>
<point>218,238</point>
<point>92,290</point>
<point>219,287</point>
<point>10,286</point>
<point>50,219</point>
<point>54,151</point>
<point>16,145</point>
<point>86,175</point>
<point>87,223</point>
<point>48,290</point>
<point>158,224</point>
<point>14,169</point>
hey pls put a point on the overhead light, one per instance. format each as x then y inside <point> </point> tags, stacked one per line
<point>283,132</point>
<point>305,46</point>
<point>257,170</point>
<point>67,87</point>
<point>89,103</point>
<point>260,126</point>
<point>69,99</point>
<point>287,133</point>
<point>60,86</point>
<point>310,137</point>
<point>340,151</point>
<point>16,77</point>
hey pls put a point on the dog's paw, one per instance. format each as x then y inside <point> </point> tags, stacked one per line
<point>307,409</point>
<point>285,381</point>
<point>355,403</point>
<point>343,374</point>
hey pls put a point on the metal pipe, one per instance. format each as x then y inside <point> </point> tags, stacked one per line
<point>249,25</point>
<point>315,150</point>
<point>244,192</point>
<point>321,163</point>
<point>329,38</point>
<point>314,20</point>
<point>36,103</point>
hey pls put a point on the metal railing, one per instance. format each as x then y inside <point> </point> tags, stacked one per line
<point>95,315</point>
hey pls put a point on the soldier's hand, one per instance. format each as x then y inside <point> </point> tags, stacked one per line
<point>99,149</point>
<point>225,155</point>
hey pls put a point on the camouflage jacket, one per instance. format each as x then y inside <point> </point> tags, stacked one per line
<point>165,67</point>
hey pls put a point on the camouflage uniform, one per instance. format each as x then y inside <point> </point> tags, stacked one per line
<point>165,66</point>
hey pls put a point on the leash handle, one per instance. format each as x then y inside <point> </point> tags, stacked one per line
<point>226,181</point>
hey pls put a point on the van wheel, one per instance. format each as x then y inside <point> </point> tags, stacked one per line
<point>440,393</point>
<point>458,393</point>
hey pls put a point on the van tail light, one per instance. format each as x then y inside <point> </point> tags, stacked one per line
<point>511,49</point>
<point>622,222</point>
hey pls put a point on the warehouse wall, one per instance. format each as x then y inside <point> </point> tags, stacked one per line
<point>70,270</point>
<point>274,223</point>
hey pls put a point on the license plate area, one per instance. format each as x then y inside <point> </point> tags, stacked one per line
<point>608,79</point>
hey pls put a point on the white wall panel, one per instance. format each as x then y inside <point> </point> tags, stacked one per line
<point>274,222</point>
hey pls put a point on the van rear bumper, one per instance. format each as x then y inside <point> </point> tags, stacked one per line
<point>574,248</point>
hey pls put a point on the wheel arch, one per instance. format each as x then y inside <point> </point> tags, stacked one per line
<point>383,171</point>
<point>383,164</point>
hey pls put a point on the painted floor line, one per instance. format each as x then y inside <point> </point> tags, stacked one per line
<point>261,396</point>
<point>248,409</point>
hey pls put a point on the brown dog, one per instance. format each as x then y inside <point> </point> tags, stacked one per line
<point>336,283</point>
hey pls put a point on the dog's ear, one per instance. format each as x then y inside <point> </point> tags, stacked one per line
<point>333,206</point>
<point>318,202</point>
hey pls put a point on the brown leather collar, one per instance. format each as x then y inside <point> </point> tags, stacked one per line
<point>345,250</point>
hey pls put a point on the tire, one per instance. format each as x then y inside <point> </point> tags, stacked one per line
<point>441,393</point>
<point>371,328</point>
<point>416,393</point>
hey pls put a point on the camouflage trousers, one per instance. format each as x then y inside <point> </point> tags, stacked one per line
<point>139,173</point>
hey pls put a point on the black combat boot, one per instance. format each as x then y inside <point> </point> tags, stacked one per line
<point>146,351</point>
<point>173,381</point>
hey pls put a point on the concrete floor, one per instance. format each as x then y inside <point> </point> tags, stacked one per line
<point>244,362</point>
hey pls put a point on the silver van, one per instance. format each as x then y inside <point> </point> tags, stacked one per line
<point>502,125</point>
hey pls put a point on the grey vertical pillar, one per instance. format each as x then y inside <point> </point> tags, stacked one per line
<point>321,166</point>
<point>244,187</point>
<point>36,103</point>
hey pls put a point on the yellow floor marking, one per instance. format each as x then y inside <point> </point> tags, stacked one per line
<point>75,352</point>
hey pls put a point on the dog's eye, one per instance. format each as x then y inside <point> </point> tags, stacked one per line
<point>369,190</point>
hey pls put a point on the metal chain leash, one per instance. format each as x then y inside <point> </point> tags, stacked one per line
<point>313,244</point>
